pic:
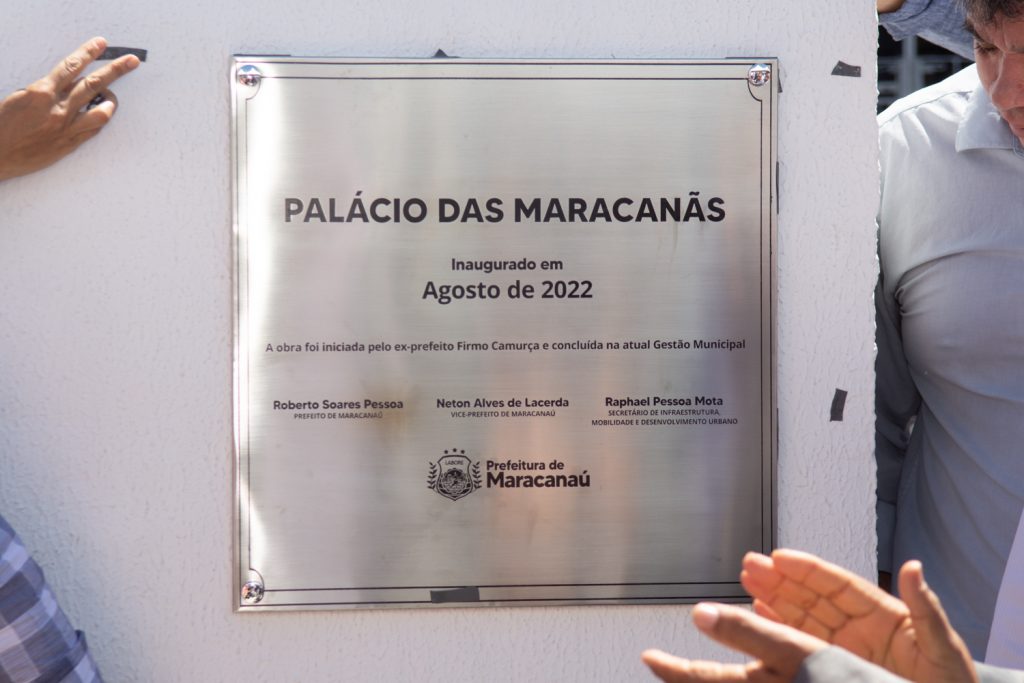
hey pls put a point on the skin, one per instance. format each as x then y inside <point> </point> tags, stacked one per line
<point>779,650</point>
<point>911,637</point>
<point>885,6</point>
<point>802,604</point>
<point>43,123</point>
<point>999,53</point>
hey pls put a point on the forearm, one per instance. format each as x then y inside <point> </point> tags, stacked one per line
<point>885,6</point>
<point>938,21</point>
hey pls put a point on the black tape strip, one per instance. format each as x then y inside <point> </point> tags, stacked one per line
<point>844,69</point>
<point>838,405</point>
<point>468,594</point>
<point>115,52</point>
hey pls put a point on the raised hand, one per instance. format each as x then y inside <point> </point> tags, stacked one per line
<point>49,119</point>
<point>912,639</point>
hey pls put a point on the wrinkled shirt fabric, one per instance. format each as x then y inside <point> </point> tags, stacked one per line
<point>950,366</point>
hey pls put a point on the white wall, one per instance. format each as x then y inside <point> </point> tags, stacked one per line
<point>116,346</point>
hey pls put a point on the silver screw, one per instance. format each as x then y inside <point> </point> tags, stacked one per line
<point>759,75</point>
<point>249,75</point>
<point>252,592</point>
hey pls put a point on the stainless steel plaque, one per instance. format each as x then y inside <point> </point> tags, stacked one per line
<point>504,330</point>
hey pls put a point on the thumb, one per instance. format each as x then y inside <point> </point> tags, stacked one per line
<point>935,635</point>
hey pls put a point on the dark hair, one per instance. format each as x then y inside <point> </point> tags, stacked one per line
<point>986,11</point>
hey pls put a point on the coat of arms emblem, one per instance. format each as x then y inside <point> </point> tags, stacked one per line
<point>454,476</point>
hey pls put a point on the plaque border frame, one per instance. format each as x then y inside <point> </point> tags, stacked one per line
<point>246,577</point>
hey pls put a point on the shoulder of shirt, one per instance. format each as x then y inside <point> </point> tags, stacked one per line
<point>957,87</point>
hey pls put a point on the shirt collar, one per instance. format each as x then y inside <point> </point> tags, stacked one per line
<point>981,126</point>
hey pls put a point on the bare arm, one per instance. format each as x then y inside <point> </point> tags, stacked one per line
<point>888,5</point>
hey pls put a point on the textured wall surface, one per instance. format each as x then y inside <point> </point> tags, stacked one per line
<point>116,347</point>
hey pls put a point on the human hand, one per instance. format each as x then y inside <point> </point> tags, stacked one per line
<point>912,639</point>
<point>780,650</point>
<point>46,121</point>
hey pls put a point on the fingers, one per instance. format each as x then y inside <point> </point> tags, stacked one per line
<point>763,609</point>
<point>792,601</point>
<point>761,569</point>
<point>672,669</point>
<point>828,592</point>
<point>96,116</point>
<point>806,623</point>
<point>72,66</point>
<point>99,80</point>
<point>824,578</point>
<point>765,578</point>
<point>930,622</point>
<point>782,648</point>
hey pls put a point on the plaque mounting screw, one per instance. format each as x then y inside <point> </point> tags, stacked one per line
<point>252,592</point>
<point>759,75</point>
<point>249,75</point>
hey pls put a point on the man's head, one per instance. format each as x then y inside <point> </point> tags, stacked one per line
<point>998,28</point>
<point>986,11</point>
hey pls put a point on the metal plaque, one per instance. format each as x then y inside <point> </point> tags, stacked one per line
<point>504,330</point>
